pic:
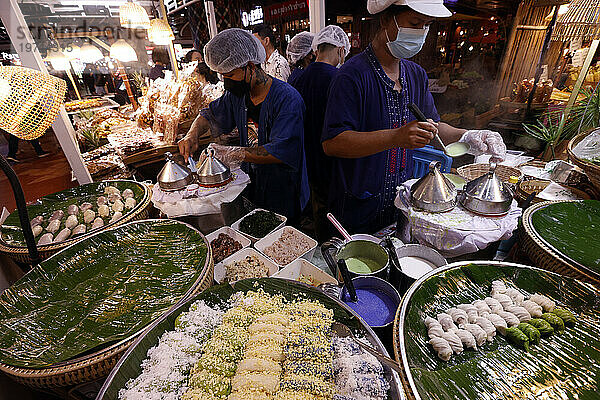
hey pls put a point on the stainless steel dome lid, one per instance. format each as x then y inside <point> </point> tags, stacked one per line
<point>487,195</point>
<point>173,176</point>
<point>433,192</point>
<point>212,171</point>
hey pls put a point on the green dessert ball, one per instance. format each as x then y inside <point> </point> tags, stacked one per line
<point>533,334</point>
<point>515,336</point>
<point>566,315</point>
<point>554,320</point>
<point>542,325</point>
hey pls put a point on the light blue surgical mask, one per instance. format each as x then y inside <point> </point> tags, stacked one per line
<point>408,43</point>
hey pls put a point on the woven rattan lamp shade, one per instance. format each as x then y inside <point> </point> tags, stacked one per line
<point>160,32</point>
<point>134,16</point>
<point>29,101</point>
<point>582,20</point>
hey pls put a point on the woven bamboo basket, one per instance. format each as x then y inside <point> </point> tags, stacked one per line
<point>398,356</point>
<point>99,364</point>
<point>474,171</point>
<point>21,254</point>
<point>544,256</point>
<point>592,170</point>
<point>526,187</point>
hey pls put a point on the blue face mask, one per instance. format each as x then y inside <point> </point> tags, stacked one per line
<point>408,42</point>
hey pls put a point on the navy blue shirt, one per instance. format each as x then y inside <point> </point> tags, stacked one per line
<point>296,73</point>
<point>282,188</point>
<point>362,98</point>
<point>313,85</point>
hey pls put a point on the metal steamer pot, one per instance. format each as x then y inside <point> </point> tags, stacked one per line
<point>487,195</point>
<point>337,249</point>
<point>173,176</point>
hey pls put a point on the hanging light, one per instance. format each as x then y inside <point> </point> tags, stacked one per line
<point>59,61</point>
<point>72,52</point>
<point>90,54</point>
<point>160,32</point>
<point>122,51</point>
<point>134,16</point>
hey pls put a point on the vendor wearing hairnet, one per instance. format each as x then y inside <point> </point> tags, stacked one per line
<point>368,126</point>
<point>276,160</point>
<point>331,46</point>
<point>300,54</point>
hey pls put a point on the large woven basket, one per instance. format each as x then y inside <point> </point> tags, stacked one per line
<point>527,187</point>
<point>21,254</point>
<point>99,364</point>
<point>592,170</point>
<point>546,257</point>
<point>474,171</point>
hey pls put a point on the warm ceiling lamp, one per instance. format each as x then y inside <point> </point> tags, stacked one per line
<point>90,54</point>
<point>59,61</point>
<point>133,16</point>
<point>72,52</point>
<point>160,32</point>
<point>122,51</point>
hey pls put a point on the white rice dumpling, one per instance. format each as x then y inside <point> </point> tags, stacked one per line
<point>101,201</point>
<point>116,216</point>
<point>89,216</point>
<point>73,209</point>
<point>62,236</point>
<point>103,210</point>
<point>53,226</point>
<point>98,222</point>
<point>79,229</point>
<point>127,193</point>
<point>37,230</point>
<point>118,206</point>
<point>58,214</point>
<point>45,239</point>
<point>72,222</point>
<point>130,203</point>
<point>85,206</point>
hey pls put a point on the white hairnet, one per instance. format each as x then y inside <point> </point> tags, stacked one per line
<point>333,35</point>
<point>299,46</point>
<point>233,48</point>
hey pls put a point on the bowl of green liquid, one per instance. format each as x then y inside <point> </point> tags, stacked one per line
<point>364,258</point>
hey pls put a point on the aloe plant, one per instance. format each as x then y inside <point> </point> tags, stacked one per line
<point>551,133</point>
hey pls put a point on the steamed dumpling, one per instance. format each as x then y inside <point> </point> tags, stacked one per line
<point>111,190</point>
<point>498,287</point>
<point>37,221</point>
<point>454,341</point>
<point>53,226</point>
<point>498,322</point>
<point>101,201</point>
<point>62,236</point>
<point>118,206</point>
<point>58,214</point>
<point>114,197</point>
<point>482,307</point>
<point>127,193</point>
<point>459,316</point>
<point>533,308</point>
<point>516,296</point>
<point>478,333</point>
<point>493,304</point>
<point>85,206</point>
<point>510,318</point>
<point>89,216</point>
<point>98,222</point>
<point>79,229</point>
<point>519,312</point>
<point>130,203</point>
<point>103,210</point>
<point>446,321</point>
<point>72,222</point>
<point>116,216</point>
<point>73,209</point>
<point>467,339</point>
<point>45,239</point>
<point>37,230</point>
<point>441,347</point>
<point>487,326</point>
<point>503,299</point>
<point>545,302</point>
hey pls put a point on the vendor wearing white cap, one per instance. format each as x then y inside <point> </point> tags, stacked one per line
<point>300,54</point>
<point>368,127</point>
<point>275,160</point>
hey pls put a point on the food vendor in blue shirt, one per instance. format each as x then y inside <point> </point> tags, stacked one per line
<point>274,155</point>
<point>368,127</point>
<point>300,55</point>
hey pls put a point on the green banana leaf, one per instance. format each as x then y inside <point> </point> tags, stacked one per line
<point>562,366</point>
<point>99,291</point>
<point>12,234</point>
<point>572,229</point>
<point>129,366</point>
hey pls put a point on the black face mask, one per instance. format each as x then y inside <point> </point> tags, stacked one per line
<point>237,88</point>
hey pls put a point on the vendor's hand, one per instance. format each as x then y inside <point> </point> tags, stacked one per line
<point>188,145</point>
<point>416,134</point>
<point>485,142</point>
<point>232,156</point>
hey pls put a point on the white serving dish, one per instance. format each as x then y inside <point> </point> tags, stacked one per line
<point>302,267</point>
<point>236,224</point>
<point>271,238</point>
<point>235,235</point>
<point>220,270</point>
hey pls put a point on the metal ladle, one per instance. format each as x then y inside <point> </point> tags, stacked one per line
<point>422,118</point>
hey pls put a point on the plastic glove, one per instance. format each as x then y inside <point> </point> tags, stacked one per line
<point>485,142</point>
<point>232,156</point>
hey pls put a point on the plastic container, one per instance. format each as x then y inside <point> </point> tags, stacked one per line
<point>271,238</point>
<point>235,235</point>
<point>424,156</point>
<point>236,224</point>
<point>220,271</point>
<point>301,267</point>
